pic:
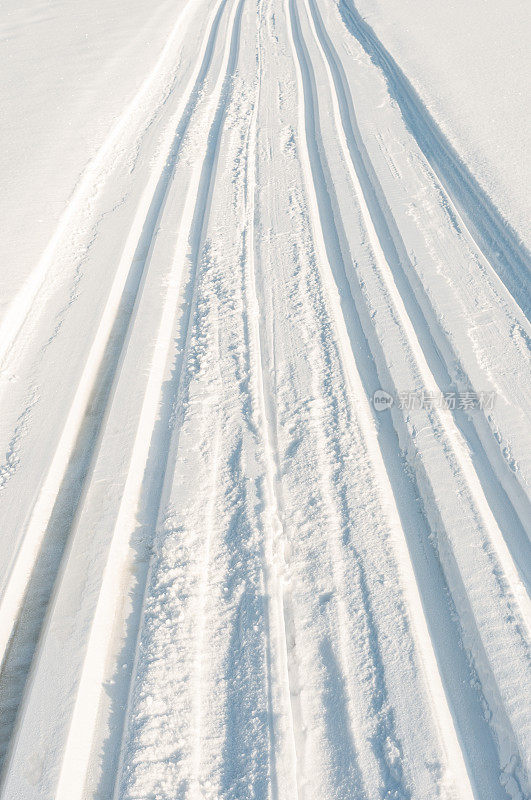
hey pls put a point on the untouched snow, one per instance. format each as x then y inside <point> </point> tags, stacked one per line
<point>69,68</point>
<point>265,453</point>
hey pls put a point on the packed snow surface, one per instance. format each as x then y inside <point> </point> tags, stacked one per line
<point>264,376</point>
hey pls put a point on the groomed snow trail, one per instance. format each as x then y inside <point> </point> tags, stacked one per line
<point>228,573</point>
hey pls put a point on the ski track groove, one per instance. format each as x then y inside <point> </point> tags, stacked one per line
<point>505,557</point>
<point>267,682</point>
<point>80,436</point>
<point>506,567</point>
<point>396,783</point>
<point>274,534</point>
<point>92,176</point>
<point>493,235</point>
<point>421,356</point>
<point>162,185</point>
<point>202,189</point>
<point>432,341</point>
<point>201,214</point>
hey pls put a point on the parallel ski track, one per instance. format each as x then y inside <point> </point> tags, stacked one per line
<point>317,166</point>
<point>202,195</point>
<point>42,540</point>
<point>97,169</point>
<point>309,120</point>
<point>421,331</point>
<point>427,350</point>
<point>496,239</point>
<point>279,606</point>
<point>79,437</point>
<point>38,566</point>
<point>200,189</point>
<point>507,501</point>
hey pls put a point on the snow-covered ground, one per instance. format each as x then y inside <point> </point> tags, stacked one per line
<point>69,69</point>
<point>470,63</point>
<point>266,403</point>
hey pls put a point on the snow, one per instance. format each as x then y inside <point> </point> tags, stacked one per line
<point>469,61</point>
<point>229,574</point>
<point>69,70</point>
